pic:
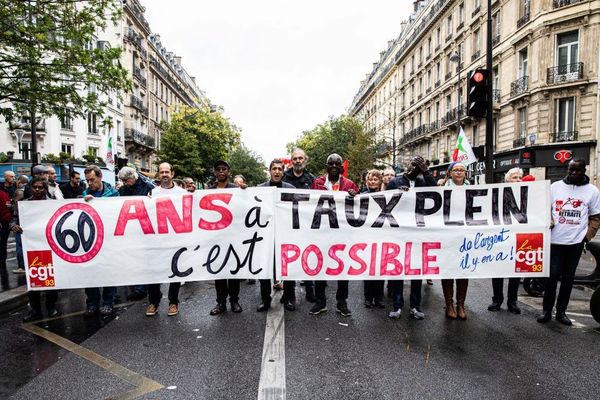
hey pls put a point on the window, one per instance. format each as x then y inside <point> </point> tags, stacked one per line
<point>567,49</point>
<point>524,9</point>
<point>523,63</point>
<point>448,103</point>
<point>449,26</point>
<point>476,41</point>
<point>66,121</point>
<point>93,151</point>
<point>66,148</point>
<point>438,72</point>
<point>420,86</point>
<point>565,115</point>
<point>439,36</point>
<point>92,122</point>
<point>475,138</point>
<point>496,25</point>
<point>476,4</point>
<point>119,130</point>
<point>437,110</point>
<point>522,120</point>
<point>461,14</point>
<point>429,49</point>
<point>429,79</point>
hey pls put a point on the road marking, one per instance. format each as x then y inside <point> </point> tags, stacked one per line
<point>11,259</point>
<point>272,372</point>
<point>142,384</point>
<point>580,315</point>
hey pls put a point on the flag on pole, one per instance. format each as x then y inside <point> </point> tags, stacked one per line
<point>463,152</point>
<point>110,157</point>
<point>345,165</point>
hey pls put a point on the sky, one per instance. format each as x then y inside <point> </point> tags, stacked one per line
<point>277,67</point>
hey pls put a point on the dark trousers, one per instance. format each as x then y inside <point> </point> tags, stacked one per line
<point>4,234</point>
<point>227,287</point>
<point>511,294</point>
<point>341,294</point>
<point>154,293</point>
<point>563,263</point>
<point>35,300</point>
<point>398,293</point>
<point>289,290</point>
<point>373,290</point>
<point>93,296</point>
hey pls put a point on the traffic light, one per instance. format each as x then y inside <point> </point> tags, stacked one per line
<point>477,92</point>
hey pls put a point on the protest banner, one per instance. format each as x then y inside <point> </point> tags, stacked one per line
<point>499,230</point>
<point>120,241</point>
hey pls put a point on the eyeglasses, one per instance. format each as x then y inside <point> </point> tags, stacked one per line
<point>37,188</point>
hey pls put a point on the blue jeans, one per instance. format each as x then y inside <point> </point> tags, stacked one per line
<point>398,295</point>
<point>93,296</point>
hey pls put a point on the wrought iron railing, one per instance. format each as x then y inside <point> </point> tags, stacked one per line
<point>564,3</point>
<point>135,136</point>
<point>564,73</point>
<point>569,136</point>
<point>476,11</point>
<point>137,72</point>
<point>519,142</point>
<point>496,94</point>
<point>476,55</point>
<point>524,19</point>
<point>519,86</point>
<point>496,40</point>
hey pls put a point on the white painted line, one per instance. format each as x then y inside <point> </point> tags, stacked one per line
<point>580,315</point>
<point>272,373</point>
<point>11,259</point>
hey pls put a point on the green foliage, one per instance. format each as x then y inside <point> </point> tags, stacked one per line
<point>245,162</point>
<point>89,158</point>
<point>343,135</point>
<point>49,59</point>
<point>3,157</point>
<point>194,139</point>
<point>65,157</point>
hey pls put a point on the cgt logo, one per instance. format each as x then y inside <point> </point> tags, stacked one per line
<point>40,268</point>
<point>530,252</point>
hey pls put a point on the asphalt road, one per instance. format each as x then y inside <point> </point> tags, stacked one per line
<point>367,356</point>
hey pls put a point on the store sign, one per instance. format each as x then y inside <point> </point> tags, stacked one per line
<point>526,158</point>
<point>563,156</point>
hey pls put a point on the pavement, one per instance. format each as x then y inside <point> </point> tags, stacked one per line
<point>491,355</point>
<point>16,294</point>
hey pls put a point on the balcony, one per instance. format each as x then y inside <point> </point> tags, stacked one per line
<point>136,40</point>
<point>476,55</point>
<point>428,57</point>
<point>437,47</point>
<point>564,73</point>
<point>569,136</point>
<point>137,137</point>
<point>449,37</point>
<point>524,19</point>
<point>25,125</point>
<point>519,142</point>
<point>496,40</point>
<point>437,83</point>
<point>460,26</point>
<point>519,86</point>
<point>448,76</point>
<point>476,11</point>
<point>564,3</point>
<point>137,73</point>
<point>138,103</point>
<point>428,90</point>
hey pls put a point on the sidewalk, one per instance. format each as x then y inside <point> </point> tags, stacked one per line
<point>16,294</point>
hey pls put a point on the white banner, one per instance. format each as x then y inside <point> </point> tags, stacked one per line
<point>487,231</point>
<point>120,241</point>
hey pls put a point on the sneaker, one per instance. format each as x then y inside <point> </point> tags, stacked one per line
<point>173,310</point>
<point>90,311</point>
<point>151,310</point>
<point>395,314</point>
<point>343,310</point>
<point>417,314</point>
<point>32,316</point>
<point>106,310</point>
<point>317,309</point>
<point>53,313</point>
<point>19,271</point>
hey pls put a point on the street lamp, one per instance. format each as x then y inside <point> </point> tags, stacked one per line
<point>456,57</point>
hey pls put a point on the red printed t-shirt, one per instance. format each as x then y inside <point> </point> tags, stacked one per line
<point>571,207</point>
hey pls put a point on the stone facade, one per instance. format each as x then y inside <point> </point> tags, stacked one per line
<point>545,80</point>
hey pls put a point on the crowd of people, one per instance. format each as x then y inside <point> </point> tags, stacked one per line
<point>570,230</point>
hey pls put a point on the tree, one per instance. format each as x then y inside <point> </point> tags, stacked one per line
<point>246,162</point>
<point>343,135</point>
<point>204,137</point>
<point>49,60</point>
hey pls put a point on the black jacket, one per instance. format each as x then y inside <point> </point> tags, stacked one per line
<point>299,182</point>
<point>402,180</point>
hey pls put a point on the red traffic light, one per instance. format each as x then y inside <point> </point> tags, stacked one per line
<point>478,77</point>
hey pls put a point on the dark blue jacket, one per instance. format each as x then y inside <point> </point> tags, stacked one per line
<point>140,188</point>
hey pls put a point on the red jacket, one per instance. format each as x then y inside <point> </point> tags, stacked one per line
<point>345,184</point>
<point>5,214</point>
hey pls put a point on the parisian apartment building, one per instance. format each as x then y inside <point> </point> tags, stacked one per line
<point>545,76</point>
<point>160,85</point>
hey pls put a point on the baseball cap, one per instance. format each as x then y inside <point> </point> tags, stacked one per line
<point>221,162</point>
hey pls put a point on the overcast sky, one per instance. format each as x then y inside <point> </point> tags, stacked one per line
<point>278,67</point>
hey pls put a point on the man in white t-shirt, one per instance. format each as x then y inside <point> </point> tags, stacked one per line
<point>167,187</point>
<point>575,219</point>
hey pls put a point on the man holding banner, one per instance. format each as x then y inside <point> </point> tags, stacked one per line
<point>333,181</point>
<point>225,287</point>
